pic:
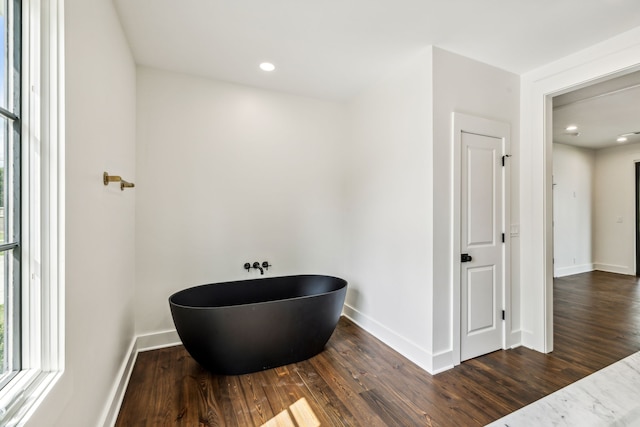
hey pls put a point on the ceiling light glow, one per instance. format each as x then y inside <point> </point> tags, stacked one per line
<point>267,66</point>
<point>621,139</point>
<point>571,127</point>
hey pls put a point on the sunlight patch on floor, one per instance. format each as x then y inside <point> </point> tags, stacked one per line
<point>302,413</point>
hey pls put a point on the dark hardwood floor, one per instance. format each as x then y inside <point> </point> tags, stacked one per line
<point>358,381</point>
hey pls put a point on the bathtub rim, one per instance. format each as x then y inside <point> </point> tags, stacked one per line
<point>343,283</point>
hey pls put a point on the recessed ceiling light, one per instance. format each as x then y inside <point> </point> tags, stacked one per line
<point>267,66</point>
<point>571,127</point>
<point>621,139</point>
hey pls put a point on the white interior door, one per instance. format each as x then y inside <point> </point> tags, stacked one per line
<point>481,238</point>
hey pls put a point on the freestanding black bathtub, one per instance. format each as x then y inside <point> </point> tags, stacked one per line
<point>239,327</point>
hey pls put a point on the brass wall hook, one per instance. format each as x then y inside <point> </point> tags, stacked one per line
<point>106,179</point>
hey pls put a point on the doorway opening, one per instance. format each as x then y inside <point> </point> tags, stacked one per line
<point>595,189</point>
<point>594,153</point>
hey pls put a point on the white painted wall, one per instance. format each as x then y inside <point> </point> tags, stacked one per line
<point>573,205</point>
<point>389,210</point>
<point>100,136</point>
<point>614,214</point>
<point>470,87</point>
<point>594,213</point>
<point>400,206</point>
<point>228,174</point>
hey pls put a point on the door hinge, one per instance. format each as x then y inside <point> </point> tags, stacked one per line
<point>504,157</point>
<point>504,315</point>
<point>502,237</point>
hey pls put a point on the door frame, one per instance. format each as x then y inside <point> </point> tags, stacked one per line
<point>636,165</point>
<point>496,129</point>
<point>615,56</point>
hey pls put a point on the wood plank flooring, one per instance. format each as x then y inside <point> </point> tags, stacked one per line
<point>358,381</point>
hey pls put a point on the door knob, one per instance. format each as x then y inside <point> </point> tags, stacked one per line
<point>465,258</point>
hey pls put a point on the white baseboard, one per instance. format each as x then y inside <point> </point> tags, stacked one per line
<point>110,413</point>
<point>157,340</point>
<point>514,339</point>
<point>441,362</point>
<point>139,343</point>
<point>408,349</point>
<point>573,269</point>
<point>610,268</point>
<point>527,339</point>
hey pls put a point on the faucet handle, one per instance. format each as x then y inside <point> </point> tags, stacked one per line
<point>266,265</point>
<point>247,266</point>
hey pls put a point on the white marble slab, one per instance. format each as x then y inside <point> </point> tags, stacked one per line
<point>608,397</point>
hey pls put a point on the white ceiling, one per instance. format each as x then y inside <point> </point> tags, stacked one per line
<point>333,48</point>
<point>602,112</point>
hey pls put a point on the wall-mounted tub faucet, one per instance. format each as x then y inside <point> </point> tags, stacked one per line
<point>257,265</point>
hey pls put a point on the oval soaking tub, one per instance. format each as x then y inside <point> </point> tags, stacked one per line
<point>245,326</point>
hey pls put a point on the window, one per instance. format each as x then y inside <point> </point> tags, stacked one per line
<point>10,199</point>
<point>31,205</point>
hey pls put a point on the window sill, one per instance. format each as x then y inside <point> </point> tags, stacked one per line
<point>23,394</point>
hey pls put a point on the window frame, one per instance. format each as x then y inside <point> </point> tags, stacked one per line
<point>11,247</point>
<point>42,214</point>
